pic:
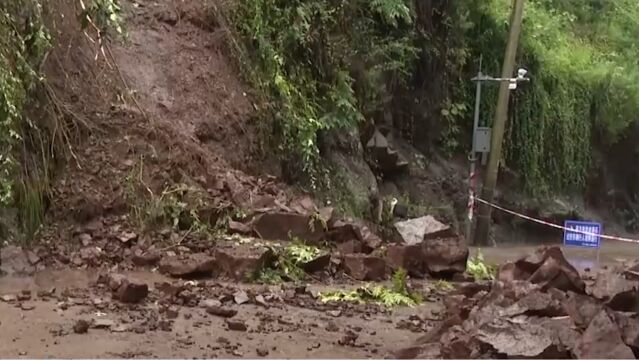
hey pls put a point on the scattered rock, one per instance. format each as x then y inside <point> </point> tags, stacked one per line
<point>240,297</point>
<point>102,323</point>
<point>262,351</point>
<point>278,225</point>
<point>332,327</point>
<point>131,292</point>
<point>81,327</point>
<point>602,340</point>
<point>221,311</point>
<point>408,257</point>
<point>414,231</point>
<point>427,351</point>
<point>445,256</point>
<point>348,339</point>
<point>209,302</point>
<point>146,259</point>
<point>236,325</point>
<point>127,237</point>
<point>318,264</point>
<point>350,247</point>
<point>15,261</point>
<point>364,267</point>
<point>85,239</point>
<point>24,295</point>
<point>9,298</point>
<point>618,293</point>
<point>27,306</point>
<point>581,309</point>
<point>172,312</point>
<point>547,267</point>
<point>236,227</point>
<point>628,324</point>
<point>240,261</point>
<point>516,338</point>
<point>193,265</point>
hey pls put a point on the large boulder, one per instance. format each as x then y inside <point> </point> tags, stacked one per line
<point>280,225</point>
<point>189,266</point>
<point>239,262</point>
<point>414,231</point>
<point>602,340</point>
<point>445,256</point>
<point>547,267</point>
<point>408,257</point>
<point>364,267</point>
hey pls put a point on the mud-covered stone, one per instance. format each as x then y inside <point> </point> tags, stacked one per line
<point>221,311</point>
<point>15,261</point>
<point>241,261</point>
<point>320,263</point>
<point>193,265</point>
<point>616,291</point>
<point>581,309</point>
<point>131,292</point>
<point>445,256</point>
<point>408,257</point>
<point>556,272</point>
<point>236,325</point>
<point>350,247</point>
<point>146,258</point>
<point>516,338</point>
<point>547,267</point>
<point>628,324</point>
<point>602,340</point>
<point>236,227</point>
<point>278,225</point>
<point>414,231</point>
<point>364,267</point>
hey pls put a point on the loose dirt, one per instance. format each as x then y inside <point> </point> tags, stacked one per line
<point>276,331</point>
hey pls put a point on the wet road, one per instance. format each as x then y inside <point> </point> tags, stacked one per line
<point>611,252</point>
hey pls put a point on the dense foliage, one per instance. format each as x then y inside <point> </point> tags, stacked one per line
<point>308,54</point>
<point>23,41</point>
<point>329,64</point>
<point>27,145</point>
<point>582,58</point>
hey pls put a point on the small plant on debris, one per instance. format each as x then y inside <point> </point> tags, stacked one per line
<point>288,264</point>
<point>443,285</point>
<point>479,269</point>
<point>176,206</point>
<point>397,295</point>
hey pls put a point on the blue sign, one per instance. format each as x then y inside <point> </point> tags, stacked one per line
<point>572,238</point>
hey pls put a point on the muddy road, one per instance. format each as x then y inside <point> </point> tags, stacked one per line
<point>42,323</point>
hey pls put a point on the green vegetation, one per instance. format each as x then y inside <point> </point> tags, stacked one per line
<point>288,265</point>
<point>584,91</point>
<point>397,295</point>
<point>304,52</point>
<point>327,65</point>
<point>479,269</point>
<point>28,142</point>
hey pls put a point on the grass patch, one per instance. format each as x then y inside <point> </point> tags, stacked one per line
<point>288,265</point>
<point>397,295</point>
<point>479,268</point>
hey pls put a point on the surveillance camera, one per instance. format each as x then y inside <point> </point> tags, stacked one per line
<point>521,73</point>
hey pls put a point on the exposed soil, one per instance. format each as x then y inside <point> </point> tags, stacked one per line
<point>167,107</point>
<point>277,329</point>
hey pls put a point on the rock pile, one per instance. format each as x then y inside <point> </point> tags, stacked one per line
<point>539,307</point>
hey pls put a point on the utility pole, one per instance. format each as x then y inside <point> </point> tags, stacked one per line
<point>490,181</point>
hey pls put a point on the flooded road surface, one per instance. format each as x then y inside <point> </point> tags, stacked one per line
<point>611,252</point>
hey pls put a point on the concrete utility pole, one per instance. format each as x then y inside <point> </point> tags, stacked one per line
<point>508,67</point>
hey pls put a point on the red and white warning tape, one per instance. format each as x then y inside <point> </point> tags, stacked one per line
<point>526,217</point>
